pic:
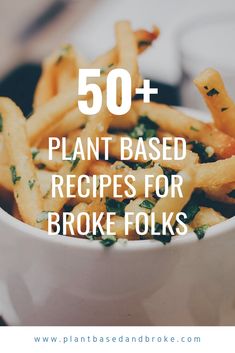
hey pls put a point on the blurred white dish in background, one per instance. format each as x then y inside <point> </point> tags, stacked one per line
<point>208,43</point>
<point>162,61</point>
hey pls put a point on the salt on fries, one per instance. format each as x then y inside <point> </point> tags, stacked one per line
<point>26,169</point>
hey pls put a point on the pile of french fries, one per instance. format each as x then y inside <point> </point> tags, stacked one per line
<point>25,169</point>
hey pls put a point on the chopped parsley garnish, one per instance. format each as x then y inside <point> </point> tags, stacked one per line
<point>164,238</point>
<point>224,109</point>
<point>193,128</point>
<point>201,231</point>
<point>89,236</point>
<point>43,216</point>
<point>74,162</point>
<point>64,51</point>
<point>46,194</point>
<point>31,183</point>
<point>67,208</point>
<point>1,123</point>
<point>212,92</point>
<point>144,43</point>
<point>113,205</point>
<point>145,128</point>
<point>168,172</point>
<point>14,176</point>
<point>108,240</point>
<point>119,166</point>
<point>34,152</point>
<point>147,204</point>
<point>143,165</point>
<point>200,149</point>
<point>190,209</point>
<point>29,115</point>
<point>92,236</point>
<point>140,165</point>
<point>103,70</point>
<point>161,192</point>
<point>232,194</point>
<point>41,166</point>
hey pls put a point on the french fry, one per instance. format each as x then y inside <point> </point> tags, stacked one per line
<point>119,222</point>
<point>44,178</point>
<point>175,204</point>
<point>74,119</point>
<point>40,157</point>
<point>140,175</point>
<point>162,133</point>
<point>53,111</point>
<point>127,53</point>
<point>100,167</point>
<point>58,70</point>
<point>181,228</point>
<point>143,39</point>
<point>223,193</point>
<point>179,124</point>
<point>134,206</point>
<point>3,152</point>
<point>88,208</point>
<point>216,173</point>
<point>25,184</point>
<point>50,113</point>
<point>207,216</point>
<point>66,102</point>
<point>211,86</point>
<point>118,227</point>
<point>46,86</point>
<point>81,207</point>
<point>66,67</point>
<point>124,122</point>
<point>5,178</point>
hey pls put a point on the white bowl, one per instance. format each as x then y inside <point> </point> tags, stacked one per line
<point>56,280</point>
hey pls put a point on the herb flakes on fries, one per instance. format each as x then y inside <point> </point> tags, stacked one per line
<point>208,170</point>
